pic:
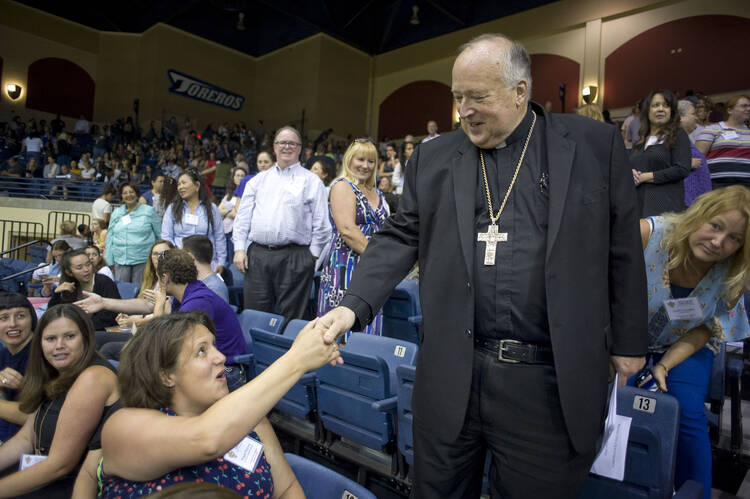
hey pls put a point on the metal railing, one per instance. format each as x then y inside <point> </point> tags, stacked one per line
<point>16,268</point>
<point>55,218</point>
<point>43,188</point>
<point>18,235</point>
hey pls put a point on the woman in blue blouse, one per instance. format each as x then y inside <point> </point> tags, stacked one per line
<point>698,267</point>
<point>133,228</point>
<point>189,428</point>
<point>189,214</point>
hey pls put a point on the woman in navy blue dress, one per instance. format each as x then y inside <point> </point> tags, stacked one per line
<point>180,424</point>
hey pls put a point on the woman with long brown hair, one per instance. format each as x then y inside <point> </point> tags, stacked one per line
<point>661,158</point>
<point>68,390</point>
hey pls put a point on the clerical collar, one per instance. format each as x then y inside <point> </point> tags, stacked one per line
<point>521,130</point>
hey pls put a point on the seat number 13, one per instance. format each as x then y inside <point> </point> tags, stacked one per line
<point>644,404</point>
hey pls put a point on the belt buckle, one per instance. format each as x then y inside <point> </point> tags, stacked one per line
<point>503,348</point>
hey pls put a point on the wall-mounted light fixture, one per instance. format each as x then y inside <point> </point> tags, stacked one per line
<point>589,94</point>
<point>13,90</point>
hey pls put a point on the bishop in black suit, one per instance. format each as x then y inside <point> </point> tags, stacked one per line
<point>532,284</point>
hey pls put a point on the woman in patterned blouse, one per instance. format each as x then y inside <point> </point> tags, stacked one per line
<point>179,423</point>
<point>697,269</point>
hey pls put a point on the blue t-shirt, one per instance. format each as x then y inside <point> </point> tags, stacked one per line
<point>216,284</point>
<point>17,362</point>
<point>241,188</point>
<point>229,338</point>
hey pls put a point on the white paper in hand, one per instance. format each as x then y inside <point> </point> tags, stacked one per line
<point>610,461</point>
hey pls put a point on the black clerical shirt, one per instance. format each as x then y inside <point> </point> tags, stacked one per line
<point>510,295</point>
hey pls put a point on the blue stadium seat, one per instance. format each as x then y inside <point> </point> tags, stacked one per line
<point>11,266</point>
<point>299,401</point>
<point>402,312</point>
<point>256,320</point>
<point>236,287</point>
<point>127,290</point>
<point>293,328</point>
<point>357,400</point>
<point>405,375</point>
<point>652,446</point>
<point>319,482</point>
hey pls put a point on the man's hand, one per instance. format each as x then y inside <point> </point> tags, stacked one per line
<point>10,378</point>
<point>626,367</point>
<point>160,299</point>
<point>91,304</point>
<point>240,260</point>
<point>335,323</point>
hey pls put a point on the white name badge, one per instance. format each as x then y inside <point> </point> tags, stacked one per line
<point>29,460</point>
<point>245,454</point>
<point>191,219</point>
<point>294,188</point>
<point>730,135</point>
<point>126,220</point>
<point>683,308</point>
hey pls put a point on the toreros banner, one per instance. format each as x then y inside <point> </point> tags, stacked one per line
<point>191,87</point>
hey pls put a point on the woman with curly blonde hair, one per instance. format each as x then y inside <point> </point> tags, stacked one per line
<point>698,268</point>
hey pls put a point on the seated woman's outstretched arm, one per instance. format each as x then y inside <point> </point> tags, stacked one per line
<point>79,416</point>
<point>142,444</point>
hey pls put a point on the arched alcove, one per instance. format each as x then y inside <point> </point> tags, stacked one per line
<point>408,109</point>
<point>701,53</point>
<point>60,86</point>
<point>548,71</point>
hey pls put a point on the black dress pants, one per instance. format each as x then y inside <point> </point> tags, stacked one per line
<point>514,411</point>
<point>280,277</point>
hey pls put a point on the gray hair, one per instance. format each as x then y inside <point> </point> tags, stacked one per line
<point>290,128</point>
<point>515,60</point>
<point>683,107</point>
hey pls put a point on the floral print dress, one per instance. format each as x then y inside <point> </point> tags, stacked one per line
<point>341,259</point>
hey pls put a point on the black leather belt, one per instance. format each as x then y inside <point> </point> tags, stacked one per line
<point>514,351</point>
<point>273,247</point>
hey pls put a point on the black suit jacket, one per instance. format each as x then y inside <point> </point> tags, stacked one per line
<point>594,270</point>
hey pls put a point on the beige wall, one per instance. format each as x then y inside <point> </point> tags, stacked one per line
<point>338,86</point>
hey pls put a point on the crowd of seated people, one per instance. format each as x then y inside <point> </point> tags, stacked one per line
<point>178,338</point>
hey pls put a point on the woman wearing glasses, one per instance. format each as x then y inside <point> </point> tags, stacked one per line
<point>358,209</point>
<point>194,213</point>
<point>726,145</point>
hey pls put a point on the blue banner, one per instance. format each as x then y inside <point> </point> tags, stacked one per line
<point>194,88</point>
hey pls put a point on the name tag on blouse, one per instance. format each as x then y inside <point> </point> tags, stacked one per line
<point>191,219</point>
<point>683,308</point>
<point>29,460</point>
<point>245,454</point>
<point>126,220</point>
<point>730,135</point>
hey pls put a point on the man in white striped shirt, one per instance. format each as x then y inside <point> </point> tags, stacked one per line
<point>280,229</point>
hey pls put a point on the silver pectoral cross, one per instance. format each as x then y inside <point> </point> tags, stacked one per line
<point>491,238</point>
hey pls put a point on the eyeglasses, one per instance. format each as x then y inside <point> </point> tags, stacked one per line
<point>287,143</point>
<point>163,255</point>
